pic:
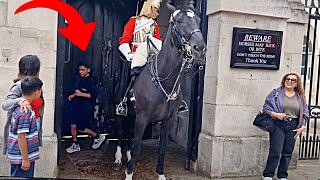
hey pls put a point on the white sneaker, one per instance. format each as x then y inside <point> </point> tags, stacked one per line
<point>267,178</point>
<point>98,142</point>
<point>283,179</point>
<point>73,148</point>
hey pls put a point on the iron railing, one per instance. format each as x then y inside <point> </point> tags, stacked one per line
<point>309,140</point>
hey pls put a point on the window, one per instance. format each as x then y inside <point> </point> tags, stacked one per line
<point>303,64</point>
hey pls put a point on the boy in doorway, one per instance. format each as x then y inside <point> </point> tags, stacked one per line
<point>23,142</point>
<point>82,103</point>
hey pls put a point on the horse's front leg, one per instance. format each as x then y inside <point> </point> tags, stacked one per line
<point>118,155</point>
<point>130,142</point>
<point>140,126</point>
<point>164,134</point>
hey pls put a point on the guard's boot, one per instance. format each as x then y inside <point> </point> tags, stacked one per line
<point>183,107</point>
<point>132,98</point>
<point>131,93</point>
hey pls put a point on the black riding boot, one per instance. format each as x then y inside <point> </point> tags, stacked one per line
<point>131,94</point>
<point>134,73</point>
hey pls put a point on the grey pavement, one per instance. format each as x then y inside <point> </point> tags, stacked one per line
<point>306,170</point>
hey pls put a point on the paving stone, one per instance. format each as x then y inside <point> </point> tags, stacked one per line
<point>96,164</point>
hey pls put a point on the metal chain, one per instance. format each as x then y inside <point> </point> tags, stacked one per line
<point>187,62</point>
<point>155,75</point>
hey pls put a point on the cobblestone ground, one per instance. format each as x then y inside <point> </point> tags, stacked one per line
<point>96,164</point>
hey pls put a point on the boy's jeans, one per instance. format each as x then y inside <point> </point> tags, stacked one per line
<point>282,143</point>
<point>16,171</point>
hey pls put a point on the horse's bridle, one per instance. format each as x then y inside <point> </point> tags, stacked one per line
<point>186,55</point>
<point>181,42</point>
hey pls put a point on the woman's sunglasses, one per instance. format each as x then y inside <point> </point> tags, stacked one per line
<point>291,79</point>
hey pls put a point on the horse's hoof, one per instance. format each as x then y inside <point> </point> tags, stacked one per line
<point>116,166</point>
<point>128,176</point>
<point>162,177</point>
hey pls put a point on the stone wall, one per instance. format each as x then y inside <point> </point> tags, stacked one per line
<point>229,145</point>
<point>30,32</point>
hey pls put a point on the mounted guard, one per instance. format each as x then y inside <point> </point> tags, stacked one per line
<point>134,45</point>
<point>136,31</point>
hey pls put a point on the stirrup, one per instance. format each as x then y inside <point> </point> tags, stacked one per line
<point>122,109</point>
<point>183,107</point>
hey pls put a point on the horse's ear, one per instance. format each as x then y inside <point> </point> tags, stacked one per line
<point>191,5</point>
<point>171,6</point>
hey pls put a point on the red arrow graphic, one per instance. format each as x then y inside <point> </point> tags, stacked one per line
<point>77,31</point>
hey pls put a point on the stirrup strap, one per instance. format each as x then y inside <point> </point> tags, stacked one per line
<point>128,89</point>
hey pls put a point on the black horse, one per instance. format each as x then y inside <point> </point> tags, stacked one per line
<point>157,88</point>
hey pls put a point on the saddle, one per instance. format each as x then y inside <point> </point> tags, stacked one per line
<point>136,71</point>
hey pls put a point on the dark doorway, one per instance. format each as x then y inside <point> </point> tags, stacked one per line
<point>102,55</point>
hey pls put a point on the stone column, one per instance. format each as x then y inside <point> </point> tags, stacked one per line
<point>229,145</point>
<point>30,32</point>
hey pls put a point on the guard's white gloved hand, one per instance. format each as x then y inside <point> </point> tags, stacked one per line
<point>126,51</point>
<point>149,35</point>
<point>130,56</point>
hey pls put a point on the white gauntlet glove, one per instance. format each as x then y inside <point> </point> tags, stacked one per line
<point>126,51</point>
<point>130,56</point>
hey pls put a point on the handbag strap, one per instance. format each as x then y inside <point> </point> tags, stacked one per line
<point>276,97</point>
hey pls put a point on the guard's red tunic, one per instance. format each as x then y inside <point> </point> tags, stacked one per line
<point>127,35</point>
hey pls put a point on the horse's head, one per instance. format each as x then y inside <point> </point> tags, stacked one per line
<point>186,31</point>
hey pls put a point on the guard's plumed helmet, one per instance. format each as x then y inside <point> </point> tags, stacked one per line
<point>156,3</point>
<point>147,6</point>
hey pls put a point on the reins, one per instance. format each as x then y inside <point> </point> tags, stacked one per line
<point>187,61</point>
